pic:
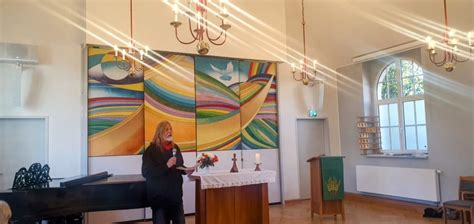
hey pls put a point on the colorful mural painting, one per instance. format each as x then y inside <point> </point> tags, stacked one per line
<point>115,107</point>
<point>212,103</point>
<point>170,96</point>
<point>258,105</point>
<point>217,104</point>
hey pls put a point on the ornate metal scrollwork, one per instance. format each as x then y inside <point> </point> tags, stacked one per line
<point>33,178</point>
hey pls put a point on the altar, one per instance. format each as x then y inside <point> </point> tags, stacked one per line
<point>233,198</point>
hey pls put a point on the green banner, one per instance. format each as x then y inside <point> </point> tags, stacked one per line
<point>333,177</point>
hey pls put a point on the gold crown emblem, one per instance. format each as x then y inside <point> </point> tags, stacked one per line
<point>333,185</point>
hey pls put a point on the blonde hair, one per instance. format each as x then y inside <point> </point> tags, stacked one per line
<point>5,213</point>
<point>160,128</point>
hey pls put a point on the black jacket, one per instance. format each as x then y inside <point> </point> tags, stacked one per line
<point>164,185</point>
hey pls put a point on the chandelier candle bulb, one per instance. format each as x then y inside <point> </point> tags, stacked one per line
<point>431,45</point>
<point>314,64</point>
<point>224,13</point>
<point>141,55</point>
<point>176,10</point>
<point>198,20</point>
<point>453,41</point>
<point>470,36</point>
<point>123,54</point>
<point>116,51</point>
<point>293,69</point>
<point>451,33</point>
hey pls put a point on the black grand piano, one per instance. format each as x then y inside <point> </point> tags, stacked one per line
<point>58,201</point>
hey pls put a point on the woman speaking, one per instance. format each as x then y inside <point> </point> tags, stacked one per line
<point>163,181</point>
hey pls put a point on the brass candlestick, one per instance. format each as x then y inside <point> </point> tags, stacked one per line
<point>257,166</point>
<point>234,166</point>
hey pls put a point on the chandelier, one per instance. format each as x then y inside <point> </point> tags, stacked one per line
<point>306,73</point>
<point>130,64</point>
<point>449,46</point>
<point>198,28</point>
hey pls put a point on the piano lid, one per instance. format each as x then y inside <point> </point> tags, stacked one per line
<point>84,180</point>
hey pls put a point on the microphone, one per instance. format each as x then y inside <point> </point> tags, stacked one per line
<point>174,151</point>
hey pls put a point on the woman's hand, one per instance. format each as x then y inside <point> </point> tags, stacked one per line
<point>171,162</point>
<point>189,172</point>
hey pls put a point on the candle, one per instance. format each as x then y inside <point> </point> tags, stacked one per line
<point>141,55</point>
<point>454,41</point>
<point>293,69</point>
<point>470,36</point>
<point>428,41</point>
<point>431,45</point>
<point>224,11</point>
<point>301,65</point>
<point>146,50</point>
<point>176,10</point>
<point>451,33</point>
<point>314,64</point>
<point>116,51</point>
<point>123,54</point>
<point>257,158</point>
<point>198,21</point>
<point>222,7</point>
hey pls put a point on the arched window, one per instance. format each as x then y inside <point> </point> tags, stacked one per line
<point>400,97</point>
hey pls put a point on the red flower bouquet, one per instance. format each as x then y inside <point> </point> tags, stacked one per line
<point>207,159</point>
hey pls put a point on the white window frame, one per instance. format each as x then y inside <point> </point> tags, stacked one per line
<point>400,100</point>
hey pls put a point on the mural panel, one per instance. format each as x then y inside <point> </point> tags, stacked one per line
<point>115,106</point>
<point>212,103</point>
<point>259,118</point>
<point>217,104</point>
<point>170,95</point>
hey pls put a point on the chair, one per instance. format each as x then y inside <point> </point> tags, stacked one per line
<point>465,204</point>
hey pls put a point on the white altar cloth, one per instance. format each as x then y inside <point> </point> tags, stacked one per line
<point>221,179</point>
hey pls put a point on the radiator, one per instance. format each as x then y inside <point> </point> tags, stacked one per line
<point>411,183</point>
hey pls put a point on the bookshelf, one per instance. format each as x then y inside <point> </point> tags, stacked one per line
<point>370,140</point>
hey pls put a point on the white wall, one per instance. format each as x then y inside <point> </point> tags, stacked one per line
<point>55,89</point>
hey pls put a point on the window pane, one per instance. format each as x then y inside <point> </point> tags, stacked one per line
<point>393,110</point>
<point>385,138</point>
<point>410,138</point>
<point>409,113</point>
<point>383,113</point>
<point>408,86</point>
<point>418,85</point>
<point>395,137</point>
<point>382,91</point>
<point>393,89</point>
<point>422,140</point>
<point>420,112</point>
<point>383,75</point>
<point>407,68</point>
<point>417,69</point>
<point>391,73</point>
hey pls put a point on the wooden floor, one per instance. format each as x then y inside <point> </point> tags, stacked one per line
<point>356,212</point>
